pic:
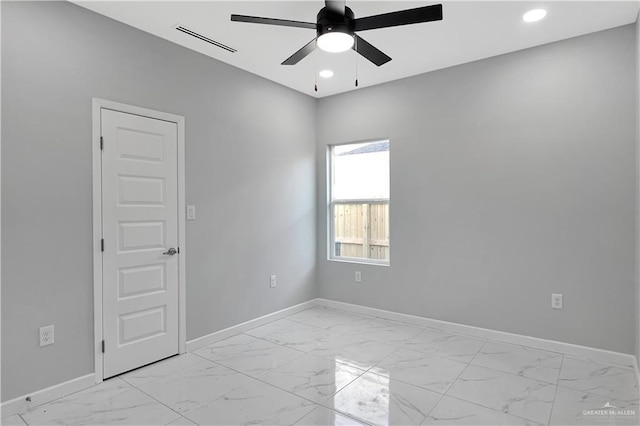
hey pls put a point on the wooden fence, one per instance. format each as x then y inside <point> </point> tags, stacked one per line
<point>362,230</point>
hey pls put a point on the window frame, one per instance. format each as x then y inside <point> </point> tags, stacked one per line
<point>331,203</point>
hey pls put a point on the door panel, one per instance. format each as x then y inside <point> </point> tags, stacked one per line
<point>139,191</point>
<point>140,280</point>
<point>139,224</point>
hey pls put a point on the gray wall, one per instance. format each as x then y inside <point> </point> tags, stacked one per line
<point>250,172</point>
<point>512,178</point>
<point>638,189</point>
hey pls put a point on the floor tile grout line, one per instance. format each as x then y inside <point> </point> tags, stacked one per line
<point>365,317</point>
<point>590,393</point>
<point>555,393</point>
<point>466,365</point>
<point>476,403</point>
<point>484,339</point>
<point>489,408</point>
<point>487,340</point>
<point>259,379</point>
<point>396,346</point>
<point>433,408</point>
<point>318,406</point>
<point>427,355</point>
<point>404,382</point>
<point>303,354</point>
<point>479,350</point>
<point>306,414</point>
<point>450,358</point>
<point>514,375</point>
<point>275,343</point>
<point>368,340</point>
<point>23,420</point>
<point>161,403</point>
<point>232,390</point>
<point>256,379</point>
<point>311,352</point>
<point>253,337</point>
<point>203,404</point>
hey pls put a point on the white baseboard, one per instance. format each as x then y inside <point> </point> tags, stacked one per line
<point>20,405</point>
<point>601,355</point>
<point>635,365</point>
<point>248,325</point>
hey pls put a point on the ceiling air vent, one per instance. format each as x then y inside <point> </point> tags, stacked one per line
<point>205,39</point>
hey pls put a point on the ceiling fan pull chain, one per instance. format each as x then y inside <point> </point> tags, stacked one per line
<point>356,49</point>
<point>315,87</point>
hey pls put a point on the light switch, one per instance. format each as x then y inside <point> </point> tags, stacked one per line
<point>191,212</point>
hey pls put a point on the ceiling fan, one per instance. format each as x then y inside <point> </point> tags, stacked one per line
<point>336,28</point>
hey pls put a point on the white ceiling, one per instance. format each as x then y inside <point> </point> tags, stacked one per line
<point>470,30</point>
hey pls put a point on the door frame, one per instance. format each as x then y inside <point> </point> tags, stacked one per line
<point>98,105</point>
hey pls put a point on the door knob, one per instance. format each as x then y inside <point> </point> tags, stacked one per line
<point>171,251</point>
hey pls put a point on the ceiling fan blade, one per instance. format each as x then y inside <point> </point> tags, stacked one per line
<point>402,17</point>
<point>301,54</point>
<point>336,6</point>
<point>273,21</point>
<point>369,51</point>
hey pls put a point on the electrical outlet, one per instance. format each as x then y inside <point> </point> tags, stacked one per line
<point>358,277</point>
<point>46,335</point>
<point>556,301</point>
<point>191,212</point>
<point>273,282</point>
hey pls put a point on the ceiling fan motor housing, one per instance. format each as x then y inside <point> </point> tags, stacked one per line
<point>329,22</point>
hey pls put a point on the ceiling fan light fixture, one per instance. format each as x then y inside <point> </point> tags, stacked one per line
<point>534,15</point>
<point>335,42</point>
<point>326,73</point>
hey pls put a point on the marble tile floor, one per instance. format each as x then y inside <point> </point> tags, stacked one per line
<point>328,367</point>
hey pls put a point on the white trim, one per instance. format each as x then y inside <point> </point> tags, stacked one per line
<point>182,238</point>
<point>208,339</point>
<point>359,261</point>
<point>97,235</point>
<point>635,368</point>
<point>601,355</point>
<point>637,371</point>
<point>20,405</point>
<point>99,104</point>
<point>331,203</point>
<point>0,187</point>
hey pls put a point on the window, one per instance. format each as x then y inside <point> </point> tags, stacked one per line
<point>359,202</point>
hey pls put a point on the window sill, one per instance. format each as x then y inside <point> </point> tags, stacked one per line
<point>359,261</point>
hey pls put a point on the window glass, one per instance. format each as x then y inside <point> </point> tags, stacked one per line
<point>359,205</point>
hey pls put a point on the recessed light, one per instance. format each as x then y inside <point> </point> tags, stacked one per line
<point>534,15</point>
<point>326,73</point>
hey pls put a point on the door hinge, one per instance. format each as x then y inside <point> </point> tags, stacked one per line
<point>103,346</point>
<point>102,244</point>
<point>101,143</point>
<point>178,250</point>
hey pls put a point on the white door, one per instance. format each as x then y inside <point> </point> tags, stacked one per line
<point>140,233</point>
